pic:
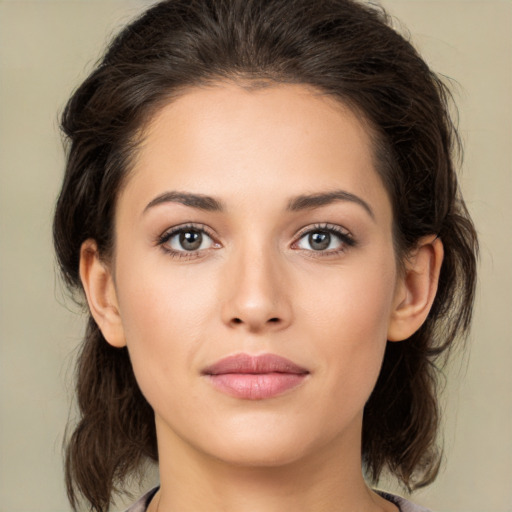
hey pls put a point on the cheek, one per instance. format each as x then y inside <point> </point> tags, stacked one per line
<point>355,301</point>
<point>157,296</point>
<point>164,315</point>
<point>350,321</point>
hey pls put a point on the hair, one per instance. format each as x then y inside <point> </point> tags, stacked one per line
<point>342,48</point>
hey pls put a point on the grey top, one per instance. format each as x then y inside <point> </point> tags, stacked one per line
<point>404,505</point>
<point>142,504</point>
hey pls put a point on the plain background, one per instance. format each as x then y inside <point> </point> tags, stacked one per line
<point>46,47</point>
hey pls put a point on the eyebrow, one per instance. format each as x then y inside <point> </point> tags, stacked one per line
<point>198,201</point>
<point>311,201</point>
<point>299,203</point>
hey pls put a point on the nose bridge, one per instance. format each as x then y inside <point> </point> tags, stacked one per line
<point>257,295</point>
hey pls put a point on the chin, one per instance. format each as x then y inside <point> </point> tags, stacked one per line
<point>260,454</point>
<point>264,444</point>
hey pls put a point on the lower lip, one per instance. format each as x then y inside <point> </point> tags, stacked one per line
<point>250,386</point>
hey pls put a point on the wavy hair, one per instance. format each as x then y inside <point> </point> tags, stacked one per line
<point>343,48</point>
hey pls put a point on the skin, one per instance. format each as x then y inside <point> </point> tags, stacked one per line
<point>256,286</point>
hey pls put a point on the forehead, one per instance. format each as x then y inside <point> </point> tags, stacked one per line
<point>227,141</point>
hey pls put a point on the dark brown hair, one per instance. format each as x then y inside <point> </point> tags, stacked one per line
<point>339,47</point>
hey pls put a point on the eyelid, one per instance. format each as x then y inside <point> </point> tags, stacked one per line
<point>345,236</point>
<point>183,227</point>
<point>169,233</point>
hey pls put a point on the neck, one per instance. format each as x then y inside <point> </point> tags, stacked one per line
<point>328,479</point>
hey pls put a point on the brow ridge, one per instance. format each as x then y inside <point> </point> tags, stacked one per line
<point>317,200</point>
<point>299,203</point>
<point>199,201</point>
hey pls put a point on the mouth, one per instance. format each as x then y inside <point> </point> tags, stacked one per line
<point>255,377</point>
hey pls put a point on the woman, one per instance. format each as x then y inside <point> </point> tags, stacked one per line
<point>261,209</point>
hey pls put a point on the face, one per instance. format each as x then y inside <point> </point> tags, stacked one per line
<point>254,273</point>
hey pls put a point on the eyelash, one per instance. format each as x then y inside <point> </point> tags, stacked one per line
<point>345,238</point>
<point>168,235</point>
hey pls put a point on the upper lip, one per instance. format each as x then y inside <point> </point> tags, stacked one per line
<point>245,363</point>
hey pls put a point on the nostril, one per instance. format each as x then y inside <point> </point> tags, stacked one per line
<point>256,324</point>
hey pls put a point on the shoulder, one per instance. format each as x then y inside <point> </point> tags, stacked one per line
<point>142,504</point>
<point>403,504</point>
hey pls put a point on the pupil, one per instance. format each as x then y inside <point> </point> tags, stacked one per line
<point>319,240</point>
<point>191,240</point>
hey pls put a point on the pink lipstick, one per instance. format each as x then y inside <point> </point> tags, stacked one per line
<point>255,377</point>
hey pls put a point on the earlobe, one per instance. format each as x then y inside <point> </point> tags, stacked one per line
<point>101,294</point>
<point>417,289</point>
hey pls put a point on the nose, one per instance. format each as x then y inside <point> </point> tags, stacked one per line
<point>257,296</point>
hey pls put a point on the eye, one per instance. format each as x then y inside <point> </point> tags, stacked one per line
<point>328,238</point>
<point>186,239</point>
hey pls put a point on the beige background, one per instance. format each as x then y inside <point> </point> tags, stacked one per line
<point>45,48</point>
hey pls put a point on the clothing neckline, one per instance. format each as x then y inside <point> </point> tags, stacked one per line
<point>403,504</point>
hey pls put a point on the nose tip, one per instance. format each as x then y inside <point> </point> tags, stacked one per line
<point>257,297</point>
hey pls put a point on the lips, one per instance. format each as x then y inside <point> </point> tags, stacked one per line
<point>255,377</point>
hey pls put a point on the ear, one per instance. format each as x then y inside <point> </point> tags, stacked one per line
<point>101,296</point>
<point>417,289</point>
